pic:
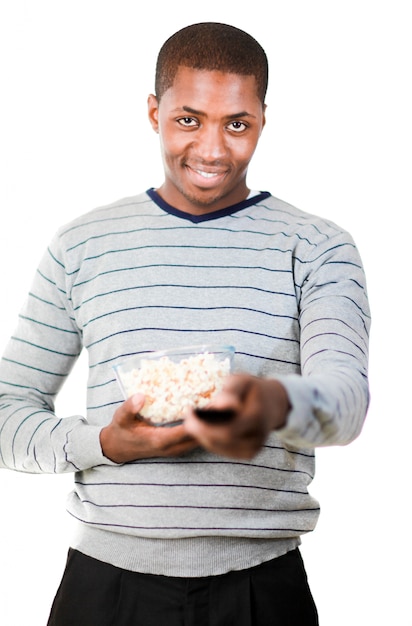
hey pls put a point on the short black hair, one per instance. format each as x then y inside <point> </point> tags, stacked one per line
<point>212,46</point>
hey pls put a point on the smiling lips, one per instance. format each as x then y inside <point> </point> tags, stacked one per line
<point>203,176</point>
<point>207,174</point>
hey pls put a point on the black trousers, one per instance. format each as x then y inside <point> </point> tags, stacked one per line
<point>92,593</point>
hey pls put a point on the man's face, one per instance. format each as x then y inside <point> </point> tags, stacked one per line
<point>209,123</point>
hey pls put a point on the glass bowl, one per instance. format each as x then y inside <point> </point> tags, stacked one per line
<point>174,380</point>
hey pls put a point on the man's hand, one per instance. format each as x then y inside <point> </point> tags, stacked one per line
<point>258,405</point>
<point>127,438</point>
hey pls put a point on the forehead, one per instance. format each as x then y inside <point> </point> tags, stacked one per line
<point>211,88</point>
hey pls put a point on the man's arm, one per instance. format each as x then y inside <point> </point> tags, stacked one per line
<point>37,360</point>
<point>326,403</point>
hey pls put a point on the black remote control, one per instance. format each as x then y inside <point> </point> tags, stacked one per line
<point>213,416</point>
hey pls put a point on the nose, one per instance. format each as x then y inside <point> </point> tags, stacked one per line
<point>211,144</point>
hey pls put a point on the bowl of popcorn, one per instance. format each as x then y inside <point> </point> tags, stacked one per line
<point>173,381</point>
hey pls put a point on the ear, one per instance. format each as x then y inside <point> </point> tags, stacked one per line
<point>153,112</point>
<point>264,116</point>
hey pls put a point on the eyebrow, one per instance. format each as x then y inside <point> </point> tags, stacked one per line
<point>188,109</point>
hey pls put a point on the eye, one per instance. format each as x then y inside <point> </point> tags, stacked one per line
<point>188,122</point>
<point>237,127</point>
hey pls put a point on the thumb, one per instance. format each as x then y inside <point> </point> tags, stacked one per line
<point>131,407</point>
<point>137,402</point>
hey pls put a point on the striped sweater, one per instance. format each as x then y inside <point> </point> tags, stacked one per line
<point>286,288</point>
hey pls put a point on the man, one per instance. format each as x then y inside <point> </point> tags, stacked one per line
<point>199,523</point>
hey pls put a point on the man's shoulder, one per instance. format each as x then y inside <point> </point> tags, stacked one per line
<point>104,219</point>
<point>296,218</point>
<point>118,210</point>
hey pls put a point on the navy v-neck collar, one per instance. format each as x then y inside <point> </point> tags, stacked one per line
<point>152,193</point>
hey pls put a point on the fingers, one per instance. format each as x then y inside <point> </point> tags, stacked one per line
<point>241,438</point>
<point>173,441</point>
<point>129,439</point>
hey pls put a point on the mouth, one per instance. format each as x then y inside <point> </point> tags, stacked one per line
<point>203,177</point>
<point>207,174</point>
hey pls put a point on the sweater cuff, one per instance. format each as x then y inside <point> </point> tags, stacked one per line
<point>83,447</point>
<point>302,429</point>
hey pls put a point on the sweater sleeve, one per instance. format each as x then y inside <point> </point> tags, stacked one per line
<point>36,361</point>
<point>330,398</point>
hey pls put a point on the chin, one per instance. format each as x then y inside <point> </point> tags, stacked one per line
<point>206,199</point>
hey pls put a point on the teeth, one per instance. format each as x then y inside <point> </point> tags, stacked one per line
<point>207,174</point>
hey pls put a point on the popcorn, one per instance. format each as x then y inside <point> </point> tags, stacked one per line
<point>172,387</point>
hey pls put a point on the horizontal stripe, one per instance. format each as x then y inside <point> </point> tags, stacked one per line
<point>198,508</point>
<point>228,486</point>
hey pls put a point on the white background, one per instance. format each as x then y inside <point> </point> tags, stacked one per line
<point>74,135</point>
